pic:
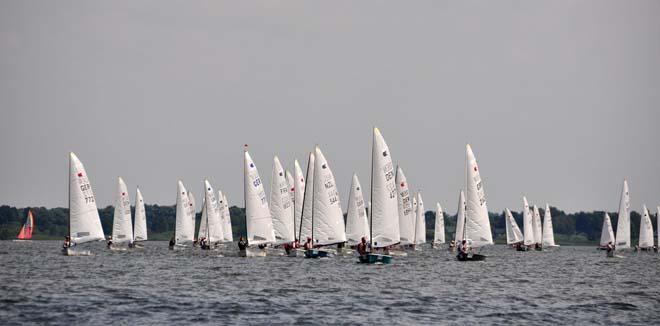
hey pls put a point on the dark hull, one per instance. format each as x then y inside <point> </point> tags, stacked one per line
<point>474,257</point>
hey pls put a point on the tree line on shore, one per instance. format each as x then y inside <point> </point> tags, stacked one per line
<point>52,223</point>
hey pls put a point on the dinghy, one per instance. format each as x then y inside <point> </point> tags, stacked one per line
<point>607,233</point>
<point>140,227</point>
<point>439,232</point>
<point>227,232</point>
<point>357,225</point>
<point>84,221</point>
<point>406,214</point>
<point>25,234</point>
<point>281,207</point>
<point>528,227</point>
<point>477,224</point>
<point>460,221</point>
<point>420,223</point>
<point>548,231</point>
<point>184,228</point>
<point>538,231</point>
<point>122,226</point>
<point>645,231</point>
<point>259,224</point>
<point>327,217</point>
<point>211,218</point>
<point>384,212</point>
<point>623,224</point>
<point>513,234</point>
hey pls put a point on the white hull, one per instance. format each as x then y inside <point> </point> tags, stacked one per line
<point>252,252</point>
<point>19,240</point>
<point>74,252</point>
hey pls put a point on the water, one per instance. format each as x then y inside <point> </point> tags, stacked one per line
<point>571,285</point>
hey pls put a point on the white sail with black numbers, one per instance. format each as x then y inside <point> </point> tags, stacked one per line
<point>420,221</point>
<point>623,224</point>
<point>140,227</point>
<point>477,224</point>
<point>548,231</point>
<point>384,205</point>
<point>645,230</point>
<point>528,226</point>
<point>226,218</point>
<point>406,214</point>
<point>439,234</point>
<point>257,213</point>
<point>214,232</point>
<point>84,221</point>
<point>281,208</point>
<point>184,227</point>
<point>122,225</point>
<point>357,225</point>
<point>327,217</point>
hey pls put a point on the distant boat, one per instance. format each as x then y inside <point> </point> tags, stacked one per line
<point>192,211</point>
<point>140,227</point>
<point>84,221</point>
<point>259,224</point>
<point>305,230</point>
<point>513,234</point>
<point>327,216</point>
<point>184,226</point>
<point>623,224</point>
<point>645,230</point>
<point>211,218</point>
<point>227,231</point>
<point>439,234</point>
<point>384,215</point>
<point>25,233</point>
<point>538,228</point>
<point>281,207</point>
<point>420,222</point>
<point>460,219</point>
<point>357,225</point>
<point>607,233</point>
<point>406,214</point>
<point>477,224</point>
<point>548,231</point>
<point>122,225</point>
<point>528,227</point>
<point>298,197</point>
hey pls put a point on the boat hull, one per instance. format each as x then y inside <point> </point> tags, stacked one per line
<point>316,254</point>
<point>474,257</point>
<point>375,259</point>
<point>74,252</point>
<point>252,252</point>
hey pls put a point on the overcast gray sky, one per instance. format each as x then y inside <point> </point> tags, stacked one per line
<point>559,99</point>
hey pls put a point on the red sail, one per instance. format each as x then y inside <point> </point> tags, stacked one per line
<point>26,230</point>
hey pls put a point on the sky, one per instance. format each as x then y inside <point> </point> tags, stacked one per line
<point>560,100</point>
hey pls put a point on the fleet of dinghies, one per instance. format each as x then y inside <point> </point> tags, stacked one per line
<point>304,207</point>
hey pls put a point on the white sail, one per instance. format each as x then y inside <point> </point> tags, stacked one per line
<point>185,227</point>
<point>122,225</point>
<point>645,230</point>
<point>439,234</point>
<point>528,226</point>
<point>623,225</point>
<point>406,213</point>
<point>548,231</point>
<point>607,233</point>
<point>298,196</point>
<point>281,208</point>
<point>513,234</point>
<point>536,223</point>
<point>306,217</point>
<point>384,210</point>
<point>357,225</point>
<point>140,227</point>
<point>292,193</point>
<point>226,218</point>
<point>477,224</point>
<point>460,219</point>
<point>192,210</point>
<point>202,231</point>
<point>257,213</point>
<point>420,220</point>
<point>84,221</point>
<point>327,216</point>
<point>214,232</point>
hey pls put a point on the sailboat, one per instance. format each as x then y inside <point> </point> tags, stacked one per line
<point>384,212</point>
<point>192,212</point>
<point>623,224</point>
<point>528,227</point>
<point>211,217</point>
<point>259,223</point>
<point>513,234</point>
<point>460,221</point>
<point>645,231</point>
<point>203,221</point>
<point>281,207</point>
<point>439,234</point>
<point>228,235</point>
<point>305,231</point>
<point>122,225</point>
<point>25,234</point>
<point>477,224</point>
<point>327,217</point>
<point>298,197</point>
<point>184,228</point>
<point>538,231</point>
<point>607,233</point>
<point>548,231</point>
<point>406,214</point>
<point>357,225</point>
<point>84,221</point>
<point>140,227</point>
<point>420,223</point>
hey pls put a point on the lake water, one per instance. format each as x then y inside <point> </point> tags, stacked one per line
<point>570,285</point>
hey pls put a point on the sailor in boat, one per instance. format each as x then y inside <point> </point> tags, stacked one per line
<point>463,250</point>
<point>308,244</point>
<point>242,244</point>
<point>109,241</point>
<point>452,245</point>
<point>636,248</point>
<point>203,244</point>
<point>288,247</point>
<point>610,249</point>
<point>67,242</point>
<point>296,244</point>
<point>172,242</point>
<point>362,247</point>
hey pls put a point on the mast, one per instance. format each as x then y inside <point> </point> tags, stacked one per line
<point>371,196</point>
<point>247,239</point>
<point>69,183</point>
<point>313,198</point>
<point>302,210</point>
